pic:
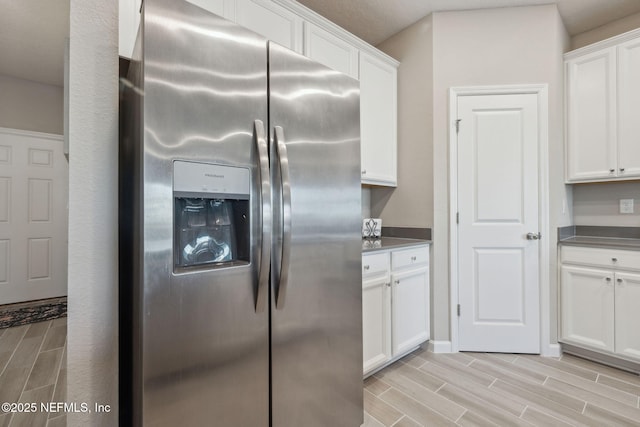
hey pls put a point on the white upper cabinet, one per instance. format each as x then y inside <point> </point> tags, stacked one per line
<point>224,8</point>
<point>591,115</point>
<point>271,21</point>
<point>129,21</point>
<point>629,109</point>
<point>378,121</point>
<point>603,100</point>
<point>292,25</point>
<point>327,49</point>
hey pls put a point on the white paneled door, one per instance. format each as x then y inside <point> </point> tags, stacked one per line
<point>33,216</point>
<point>498,257</point>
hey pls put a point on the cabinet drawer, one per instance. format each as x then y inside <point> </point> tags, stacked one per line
<point>375,264</point>
<point>611,258</point>
<point>409,257</point>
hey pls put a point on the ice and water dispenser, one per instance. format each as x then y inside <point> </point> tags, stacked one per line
<point>211,215</point>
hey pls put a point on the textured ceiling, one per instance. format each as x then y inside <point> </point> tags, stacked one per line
<point>32,32</point>
<point>377,20</point>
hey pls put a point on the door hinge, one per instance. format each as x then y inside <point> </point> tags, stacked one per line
<point>458,125</point>
<point>457,217</point>
<point>458,310</point>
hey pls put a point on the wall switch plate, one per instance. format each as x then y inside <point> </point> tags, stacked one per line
<point>626,206</point>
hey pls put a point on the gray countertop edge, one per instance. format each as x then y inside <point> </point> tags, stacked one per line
<point>602,242</point>
<point>393,243</point>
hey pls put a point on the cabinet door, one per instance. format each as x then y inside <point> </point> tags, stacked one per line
<point>627,314</point>
<point>409,309</point>
<point>224,8</point>
<point>271,21</point>
<point>629,109</point>
<point>586,305</point>
<point>591,109</point>
<point>376,323</point>
<point>327,49</point>
<point>378,116</point>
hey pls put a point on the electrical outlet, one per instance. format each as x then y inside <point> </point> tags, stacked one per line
<point>626,206</point>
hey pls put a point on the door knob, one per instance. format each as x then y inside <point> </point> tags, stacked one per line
<point>534,236</point>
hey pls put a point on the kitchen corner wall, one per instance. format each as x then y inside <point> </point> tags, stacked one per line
<point>521,45</point>
<point>366,202</point>
<point>30,105</point>
<point>411,203</point>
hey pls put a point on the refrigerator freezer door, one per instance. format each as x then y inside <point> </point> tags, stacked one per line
<point>317,315</point>
<point>203,332</point>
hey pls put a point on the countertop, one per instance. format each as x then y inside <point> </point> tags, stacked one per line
<point>371,245</point>
<point>602,242</point>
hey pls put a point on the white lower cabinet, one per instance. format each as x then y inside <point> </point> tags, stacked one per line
<point>627,315</point>
<point>599,300</point>
<point>587,302</point>
<point>410,317</point>
<point>376,322</point>
<point>395,304</point>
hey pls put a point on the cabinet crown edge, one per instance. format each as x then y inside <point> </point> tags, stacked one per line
<point>603,44</point>
<point>330,26</point>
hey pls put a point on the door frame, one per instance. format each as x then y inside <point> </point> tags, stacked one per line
<point>541,91</point>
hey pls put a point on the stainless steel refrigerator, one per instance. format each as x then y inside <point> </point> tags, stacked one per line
<point>240,248</point>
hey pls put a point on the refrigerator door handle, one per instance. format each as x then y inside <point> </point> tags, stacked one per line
<point>283,161</point>
<point>265,196</point>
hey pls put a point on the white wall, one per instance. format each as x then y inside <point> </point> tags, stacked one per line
<point>92,360</point>
<point>411,203</point>
<point>611,29</point>
<point>598,204</point>
<point>30,106</point>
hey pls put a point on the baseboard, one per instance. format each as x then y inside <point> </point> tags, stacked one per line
<point>619,362</point>
<point>440,346</point>
<point>551,350</point>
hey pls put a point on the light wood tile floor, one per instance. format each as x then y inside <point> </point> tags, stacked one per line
<point>490,389</point>
<point>422,389</point>
<point>33,369</point>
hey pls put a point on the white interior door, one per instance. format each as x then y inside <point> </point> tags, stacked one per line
<point>498,284</point>
<point>33,216</point>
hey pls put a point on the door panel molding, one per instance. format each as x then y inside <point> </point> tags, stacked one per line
<point>541,91</point>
